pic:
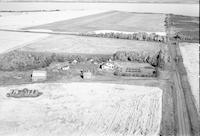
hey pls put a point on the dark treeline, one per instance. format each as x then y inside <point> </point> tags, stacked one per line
<point>24,60</point>
<point>153,59</point>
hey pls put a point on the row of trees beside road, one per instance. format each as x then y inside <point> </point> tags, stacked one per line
<point>142,36</point>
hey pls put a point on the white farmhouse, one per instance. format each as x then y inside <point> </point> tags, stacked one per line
<point>107,66</point>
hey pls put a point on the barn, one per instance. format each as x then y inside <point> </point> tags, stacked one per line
<point>39,75</point>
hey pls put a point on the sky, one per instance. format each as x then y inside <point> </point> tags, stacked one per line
<point>138,1</point>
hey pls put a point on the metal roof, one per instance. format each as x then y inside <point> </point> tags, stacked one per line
<point>39,73</point>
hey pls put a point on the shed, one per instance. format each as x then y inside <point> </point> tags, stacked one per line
<point>86,74</point>
<point>39,75</point>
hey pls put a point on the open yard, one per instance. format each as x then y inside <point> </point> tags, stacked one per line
<point>89,45</point>
<point>82,109</point>
<point>112,20</point>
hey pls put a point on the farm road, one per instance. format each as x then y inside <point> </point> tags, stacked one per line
<point>184,128</point>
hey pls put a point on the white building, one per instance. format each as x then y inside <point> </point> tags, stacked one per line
<point>65,68</point>
<point>107,66</point>
<point>87,75</point>
<point>39,75</point>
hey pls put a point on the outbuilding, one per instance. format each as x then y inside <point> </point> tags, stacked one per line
<point>65,68</point>
<point>39,75</point>
<point>86,74</point>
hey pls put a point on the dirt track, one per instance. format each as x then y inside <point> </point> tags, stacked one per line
<point>187,125</point>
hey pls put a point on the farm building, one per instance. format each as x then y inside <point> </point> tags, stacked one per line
<point>86,74</point>
<point>107,66</point>
<point>135,69</point>
<point>39,75</point>
<point>59,66</point>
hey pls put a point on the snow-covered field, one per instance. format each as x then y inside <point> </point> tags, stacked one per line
<point>190,53</point>
<point>16,21</point>
<point>90,109</point>
<point>29,19</point>
<point>12,40</point>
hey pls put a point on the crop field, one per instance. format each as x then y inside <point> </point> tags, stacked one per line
<point>18,20</point>
<point>186,27</point>
<point>190,53</point>
<point>82,109</point>
<point>12,40</point>
<point>112,20</point>
<point>89,45</point>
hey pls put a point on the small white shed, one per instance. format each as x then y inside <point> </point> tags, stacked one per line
<point>65,68</point>
<point>39,75</point>
<point>107,66</point>
<point>87,75</point>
